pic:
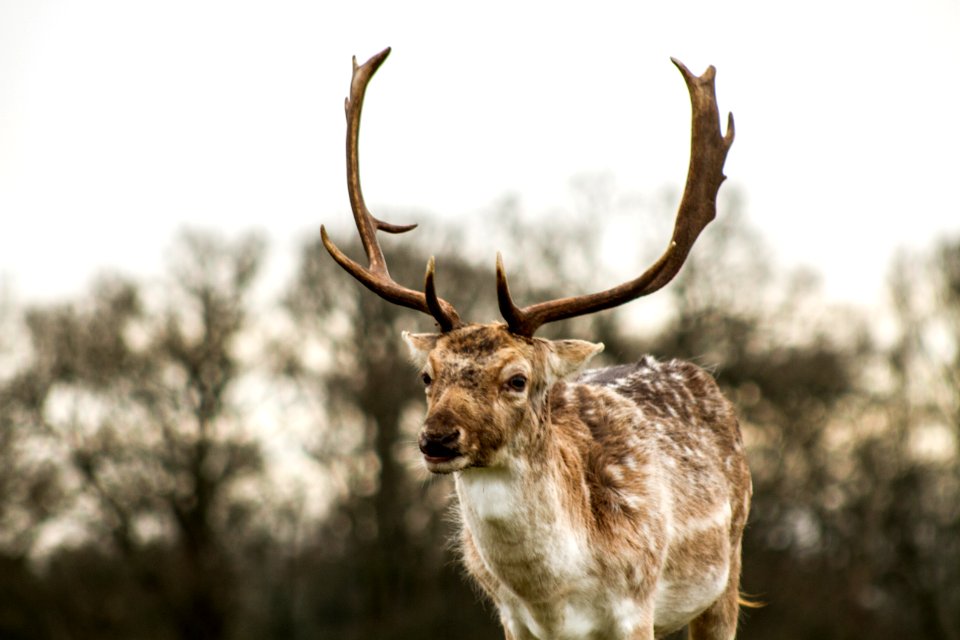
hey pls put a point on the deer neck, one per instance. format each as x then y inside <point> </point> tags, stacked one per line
<point>523,516</point>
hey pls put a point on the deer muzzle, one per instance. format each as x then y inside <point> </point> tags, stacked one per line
<point>441,442</point>
<point>440,447</point>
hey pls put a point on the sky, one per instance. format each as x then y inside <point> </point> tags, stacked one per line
<point>123,121</point>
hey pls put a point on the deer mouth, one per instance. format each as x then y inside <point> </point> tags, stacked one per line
<point>438,453</point>
<point>444,465</point>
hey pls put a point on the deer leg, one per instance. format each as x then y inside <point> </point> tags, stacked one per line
<point>719,620</point>
<point>644,630</point>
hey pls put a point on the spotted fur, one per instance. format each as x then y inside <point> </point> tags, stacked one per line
<point>608,505</point>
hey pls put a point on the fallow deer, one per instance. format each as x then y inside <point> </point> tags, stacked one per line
<point>606,505</point>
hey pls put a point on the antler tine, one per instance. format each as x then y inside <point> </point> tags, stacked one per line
<point>698,206</point>
<point>376,276</point>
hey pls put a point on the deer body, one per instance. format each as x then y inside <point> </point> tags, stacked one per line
<point>607,506</point>
<point>610,506</point>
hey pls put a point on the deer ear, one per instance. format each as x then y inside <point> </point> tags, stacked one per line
<point>569,356</point>
<point>420,345</point>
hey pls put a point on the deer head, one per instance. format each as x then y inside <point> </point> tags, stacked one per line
<point>486,391</point>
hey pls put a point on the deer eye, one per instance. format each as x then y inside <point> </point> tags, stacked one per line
<point>425,377</point>
<point>517,383</point>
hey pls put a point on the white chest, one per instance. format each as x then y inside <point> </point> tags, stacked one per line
<point>548,587</point>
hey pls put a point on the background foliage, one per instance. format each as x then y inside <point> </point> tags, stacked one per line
<point>195,458</point>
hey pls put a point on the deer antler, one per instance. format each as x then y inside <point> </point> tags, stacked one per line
<point>698,206</point>
<point>376,277</point>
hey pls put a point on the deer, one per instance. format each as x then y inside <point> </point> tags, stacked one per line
<point>604,503</point>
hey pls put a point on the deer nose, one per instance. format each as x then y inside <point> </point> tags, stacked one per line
<point>440,446</point>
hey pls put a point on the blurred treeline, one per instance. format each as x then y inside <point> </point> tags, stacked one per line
<point>197,457</point>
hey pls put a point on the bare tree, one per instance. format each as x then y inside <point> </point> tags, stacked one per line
<point>138,407</point>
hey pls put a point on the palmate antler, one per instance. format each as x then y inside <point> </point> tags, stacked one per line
<point>698,206</point>
<point>376,277</point>
<point>708,150</point>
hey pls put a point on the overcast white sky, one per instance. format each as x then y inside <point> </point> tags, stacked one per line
<point>122,121</point>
